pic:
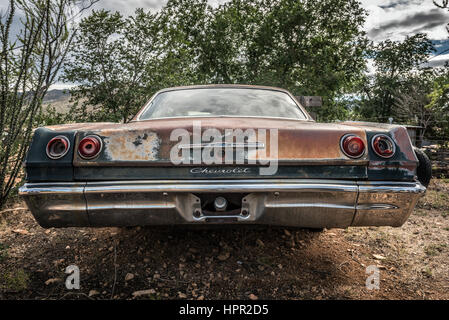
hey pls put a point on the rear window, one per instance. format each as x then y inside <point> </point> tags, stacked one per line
<point>222,102</point>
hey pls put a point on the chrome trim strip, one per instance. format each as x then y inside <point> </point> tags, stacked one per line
<point>221,185</point>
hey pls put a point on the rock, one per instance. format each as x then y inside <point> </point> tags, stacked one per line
<point>129,276</point>
<point>287,233</point>
<point>200,298</point>
<point>379,257</point>
<point>253,296</point>
<point>146,260</point>
<point>22,232</point>
<point>93,293</point>
<point>58,262</point>
<point>143,293</point>
<point>260,243</point>
<point>182,295</point>
<point>224,256</point>
<point>52,280</point>
<point>47,231</point>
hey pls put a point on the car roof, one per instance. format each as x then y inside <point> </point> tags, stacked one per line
<point>215,86</point>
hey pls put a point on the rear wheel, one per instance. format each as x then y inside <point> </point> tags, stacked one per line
<point>424,170</point>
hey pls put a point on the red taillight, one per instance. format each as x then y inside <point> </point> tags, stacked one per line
<point>57,147</point>
<point>383,146</point>
<point>352,146</point>
<point>89,147</point>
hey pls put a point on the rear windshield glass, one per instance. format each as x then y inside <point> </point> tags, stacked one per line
<point>222,102</point>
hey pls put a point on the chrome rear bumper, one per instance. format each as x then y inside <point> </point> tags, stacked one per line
<point>301,203</point>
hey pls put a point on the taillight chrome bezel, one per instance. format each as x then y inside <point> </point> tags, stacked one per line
<point>99,149</point>
<point>342,140</point>
<point>59,156</point>
<point>389,139</point>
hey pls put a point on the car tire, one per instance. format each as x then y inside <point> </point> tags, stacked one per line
<point>424,170</point>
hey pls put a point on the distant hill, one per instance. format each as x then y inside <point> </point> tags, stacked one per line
<point>58,99</point>
<point>56,95</point>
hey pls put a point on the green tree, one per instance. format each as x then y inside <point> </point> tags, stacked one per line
<point>113,63</point>
<point>311,48</point>
<point>439,106</point>
<point>396,64</point>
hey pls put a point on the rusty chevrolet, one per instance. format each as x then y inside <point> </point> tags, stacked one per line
<point>223,154</point>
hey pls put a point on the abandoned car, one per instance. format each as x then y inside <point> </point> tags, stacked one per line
<point>223,154</point>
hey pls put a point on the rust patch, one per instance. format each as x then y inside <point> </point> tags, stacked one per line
<point>122,145</point>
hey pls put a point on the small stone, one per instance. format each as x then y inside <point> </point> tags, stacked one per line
<point>21,231</point>
<point>287,233</point>
<point>224,256</point>
<point>143,293</point>
<point>129,276</point>
<point>93,293</point>
<point>47,231</point>
<point>260,243</point>
<point>146,260</point>
<point>52,280</point>
<point>58,262</point>
<point>200,298</point>
<point>379,257</point>
<point>253,296</point>
<point>182,295</point>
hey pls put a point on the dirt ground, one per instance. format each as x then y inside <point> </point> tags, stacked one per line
<point>229,263</point>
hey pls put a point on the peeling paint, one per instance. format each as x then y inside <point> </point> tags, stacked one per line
<point>131,145</point>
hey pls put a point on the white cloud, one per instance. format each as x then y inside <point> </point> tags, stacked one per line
<point>395,19</point>
<point>438,61</point>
